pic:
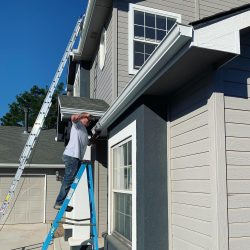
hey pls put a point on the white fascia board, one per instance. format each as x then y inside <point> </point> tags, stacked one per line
<point>171,44</point>
<point>90,8</point>
<point>67,112</point>
<point>223,35</point>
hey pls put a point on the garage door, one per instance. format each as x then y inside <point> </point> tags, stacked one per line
<point>28,201</point>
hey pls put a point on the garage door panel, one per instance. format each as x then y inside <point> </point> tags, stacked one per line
<point>28,199</point>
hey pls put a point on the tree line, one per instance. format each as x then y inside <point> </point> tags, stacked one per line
<point>32,100</point>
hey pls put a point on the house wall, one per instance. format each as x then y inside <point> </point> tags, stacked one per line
<point>151,179</point>
<point>101,80</point>
<point>235,85</point>
<point>189,168</point>
<point>101,184</point>
<point>211,7</point>
<point>109,82</point>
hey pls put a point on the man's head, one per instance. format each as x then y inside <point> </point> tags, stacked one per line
<point>85,118</point>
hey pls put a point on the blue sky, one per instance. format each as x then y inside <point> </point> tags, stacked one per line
<point>33,37</point>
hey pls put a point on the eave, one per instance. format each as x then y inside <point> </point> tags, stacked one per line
<point>95,17</point>
<point>183,54</point>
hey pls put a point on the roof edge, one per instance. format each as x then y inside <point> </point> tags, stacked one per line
<point>86,24</point>
<point>178,36</point>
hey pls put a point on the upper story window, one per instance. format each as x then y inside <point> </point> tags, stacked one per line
<point>102,49</point>
<point>147,28</point>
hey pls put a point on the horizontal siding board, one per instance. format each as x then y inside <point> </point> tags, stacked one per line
<point>196,173</point>
<point>194,199</point>
<point>239,243</point>
<point>190,161</point>
<point>240,215</point>
<point>190,124</point>
<point>192,186</point>
<point>195,238</point>
<point>239,201</point>
<point>238,186</point>
<point>237,103</point>
<point>182,244</point>
<point>190,136</point>
<point>238,144</point>
<point>190,148</point>
<point>190,113</point>
<point>237,116</point>
<point>238,172</point>
<point>195,225</point>
<point>196,212</point>
<point>226,5</point>
<point>238,158</point>
<point>239,230</point>
<point>238,130</point>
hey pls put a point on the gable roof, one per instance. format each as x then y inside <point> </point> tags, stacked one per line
<point>46,152</point>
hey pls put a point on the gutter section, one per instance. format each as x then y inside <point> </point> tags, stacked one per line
<point>162,56</point>
<point>89,12</point>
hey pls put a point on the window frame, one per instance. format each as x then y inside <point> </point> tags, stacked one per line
<point>102,49</point>
<point>136,7</point>
<point>123,136</point>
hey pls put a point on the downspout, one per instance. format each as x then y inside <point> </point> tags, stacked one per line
<point>89,12</point>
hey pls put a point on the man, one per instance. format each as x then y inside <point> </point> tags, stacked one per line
<point>73,155</point>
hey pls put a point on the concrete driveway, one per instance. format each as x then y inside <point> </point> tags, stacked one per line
<point>31,237</point>
<point>23,236</point>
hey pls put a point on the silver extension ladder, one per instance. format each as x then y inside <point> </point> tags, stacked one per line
<point>34,134</point>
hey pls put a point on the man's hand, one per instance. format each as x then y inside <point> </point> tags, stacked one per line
<point>75,118</point>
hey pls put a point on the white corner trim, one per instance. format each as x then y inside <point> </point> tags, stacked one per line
<point>127,132</point>
<point>218,171</point>
<point>45,198</point>
<point>169,186</point>
<point>132,8</point>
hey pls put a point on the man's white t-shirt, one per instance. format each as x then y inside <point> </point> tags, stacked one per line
<point>78,141</point>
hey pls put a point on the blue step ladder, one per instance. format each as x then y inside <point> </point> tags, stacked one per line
<point>93,228</point>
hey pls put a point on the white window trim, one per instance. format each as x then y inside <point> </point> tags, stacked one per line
<point>126,133</point>
<point>132,8</point>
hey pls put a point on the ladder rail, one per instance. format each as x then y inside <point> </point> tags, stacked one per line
<point>93,232</point>
<point>36,129</point>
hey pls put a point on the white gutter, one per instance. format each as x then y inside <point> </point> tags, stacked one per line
<point>165,54</point>
<point>88,16</point>
<point>14,165</point>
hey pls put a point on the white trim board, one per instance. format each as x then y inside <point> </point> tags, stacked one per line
<point>218,171</point>
<point>127,132</point>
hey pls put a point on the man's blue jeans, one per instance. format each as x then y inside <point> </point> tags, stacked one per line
<point>72,166</point>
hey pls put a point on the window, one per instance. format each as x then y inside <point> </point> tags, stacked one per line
<point>102,49</point>
<point>122,189</point>
<point>122,185</point>
<point>147,28</point>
